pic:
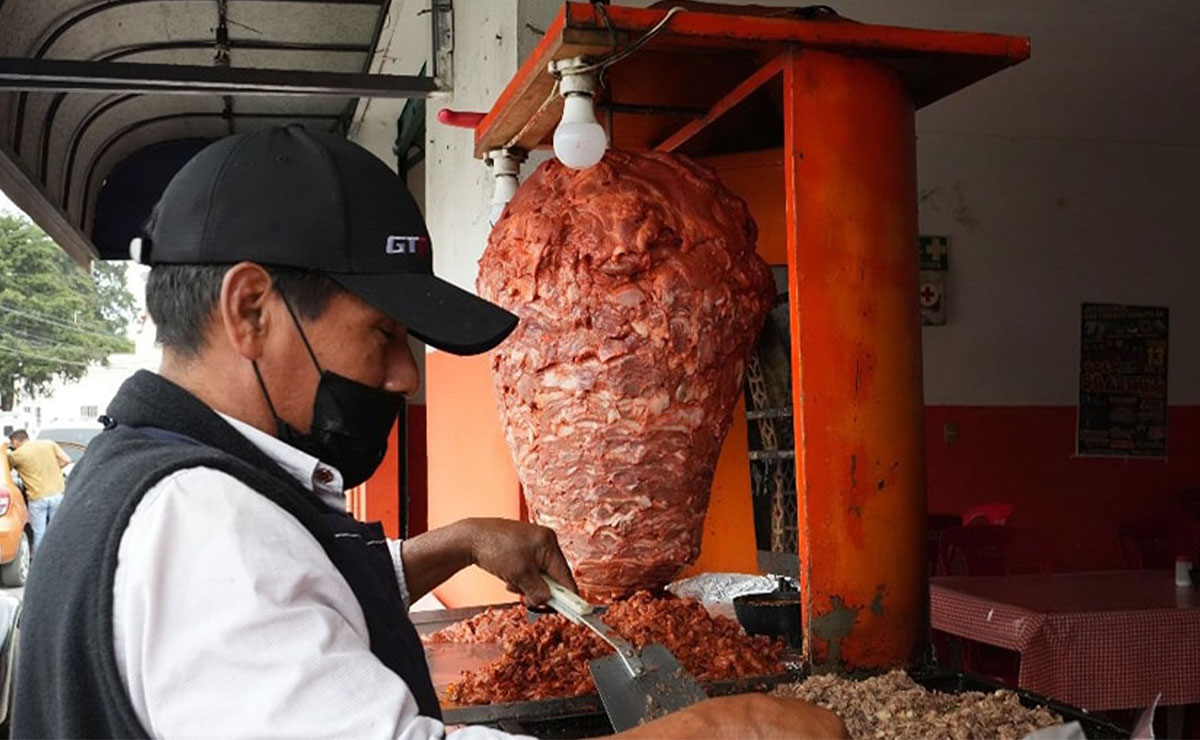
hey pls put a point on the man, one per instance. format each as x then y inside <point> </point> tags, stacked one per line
<point>203,579</point>
<point>39,462</point>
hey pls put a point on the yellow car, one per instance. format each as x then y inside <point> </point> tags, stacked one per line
<point>16,536</point>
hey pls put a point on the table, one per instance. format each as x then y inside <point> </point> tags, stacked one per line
<point>1098,641</point>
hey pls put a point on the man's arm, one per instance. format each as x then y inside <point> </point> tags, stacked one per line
<point>515,552</point>
<point>243,627</point>
<point>63,460</point>
<point>744,716</point>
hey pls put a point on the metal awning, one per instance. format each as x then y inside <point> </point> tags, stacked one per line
<point>101,101</point>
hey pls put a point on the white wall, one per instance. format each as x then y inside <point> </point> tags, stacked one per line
<point>490,37</point>
<point>1038,227</point>
<point>1069,178</point>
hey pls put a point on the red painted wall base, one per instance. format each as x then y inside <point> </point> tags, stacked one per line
<point>1026,455</point>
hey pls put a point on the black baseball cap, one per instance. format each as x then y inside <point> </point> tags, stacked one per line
<point>293,197</point>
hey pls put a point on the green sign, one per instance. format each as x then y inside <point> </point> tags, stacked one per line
<point>935,252</point>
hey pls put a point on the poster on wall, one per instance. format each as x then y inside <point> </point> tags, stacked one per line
<point>1123,381</point>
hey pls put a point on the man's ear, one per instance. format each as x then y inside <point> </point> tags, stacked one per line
<point>241,309</point>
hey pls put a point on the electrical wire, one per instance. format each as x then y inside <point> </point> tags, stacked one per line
<point>34,356</point>
<point>616,56</point>
<point>35,316</point>
<point>39,316</point>
<point>34,339</point>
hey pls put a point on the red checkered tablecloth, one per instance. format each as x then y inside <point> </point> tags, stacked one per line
<point>1097,641</point>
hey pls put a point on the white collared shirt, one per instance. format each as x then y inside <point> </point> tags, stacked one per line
<point>229,620</point>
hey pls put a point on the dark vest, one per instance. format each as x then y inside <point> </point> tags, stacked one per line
<point>67,682</point>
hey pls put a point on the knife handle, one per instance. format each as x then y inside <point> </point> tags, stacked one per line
<point>565,601</point>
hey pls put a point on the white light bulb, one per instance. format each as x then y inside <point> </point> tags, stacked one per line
<point>579,141</point>
<point>503,190</point>
<point>495,211</point>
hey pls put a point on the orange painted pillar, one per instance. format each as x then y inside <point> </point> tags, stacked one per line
<point>850,179</point>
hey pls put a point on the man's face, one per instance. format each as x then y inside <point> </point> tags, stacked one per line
<point>351,339</point>
<point>15,444</point>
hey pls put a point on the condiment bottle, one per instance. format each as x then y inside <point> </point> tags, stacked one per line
<point>1183,564</point>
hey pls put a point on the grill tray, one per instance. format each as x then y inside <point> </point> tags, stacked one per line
<point>583,716</point>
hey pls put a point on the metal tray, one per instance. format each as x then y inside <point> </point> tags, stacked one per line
<point>1096,728</point>
<point>583,717</point>
<point>579,716</point>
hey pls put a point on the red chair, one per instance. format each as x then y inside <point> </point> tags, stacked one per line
<point>992,512</point>
<point>1153,544</point>
<point>935,524</point>
<point>989,550</point>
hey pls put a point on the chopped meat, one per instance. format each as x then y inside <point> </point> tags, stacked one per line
<point>893,706</point>
<point>549,658</point>
<point>640,296</point>
<point>488,626</point>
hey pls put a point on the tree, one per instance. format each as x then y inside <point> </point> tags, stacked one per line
<point>56,319</point>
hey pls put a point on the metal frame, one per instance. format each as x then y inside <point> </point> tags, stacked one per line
<point>121,133</point>
<point>745,89</point>
<point>78,15</point>
<point>442,56</point>
<point>376,34</point>
<point>57,74</point>
<point>77,136</point>
<point>29,197</point>
<point>114,54</point>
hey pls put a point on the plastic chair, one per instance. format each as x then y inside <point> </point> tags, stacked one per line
<point>935,524</point>
<point>1153,544</point>
<point>990,550</point>
<point>992,512</point>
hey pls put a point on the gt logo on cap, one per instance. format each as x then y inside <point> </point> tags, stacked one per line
<point>418,245</point>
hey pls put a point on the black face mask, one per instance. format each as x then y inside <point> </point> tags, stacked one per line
<point>350,421</point>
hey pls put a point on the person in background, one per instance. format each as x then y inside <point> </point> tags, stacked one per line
<point>204,578</point>
<point>39,462</point>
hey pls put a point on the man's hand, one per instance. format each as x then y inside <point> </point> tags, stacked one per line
<point>518,553</point>
<point>745,716</point>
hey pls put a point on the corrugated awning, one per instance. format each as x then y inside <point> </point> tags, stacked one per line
<point>102,101</point>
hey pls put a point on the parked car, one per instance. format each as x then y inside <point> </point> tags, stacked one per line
<point>72,440</point>
<point>16,536</point>
<point>10,629</point>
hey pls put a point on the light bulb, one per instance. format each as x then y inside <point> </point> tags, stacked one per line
<point>579,141</point>
<point>505,189</point>
<point>495,211</point>
<point>505,166</point>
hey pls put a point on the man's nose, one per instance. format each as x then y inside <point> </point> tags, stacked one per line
<point>403,375</point>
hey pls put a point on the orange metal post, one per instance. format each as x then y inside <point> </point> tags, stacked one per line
<point>850,180</point>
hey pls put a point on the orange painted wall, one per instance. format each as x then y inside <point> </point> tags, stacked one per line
<point>378,500</point>
<point>758,178</point>
<point>728,541</point>
<point>470,470</point>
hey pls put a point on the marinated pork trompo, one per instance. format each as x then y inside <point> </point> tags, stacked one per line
<point>640,296</point>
